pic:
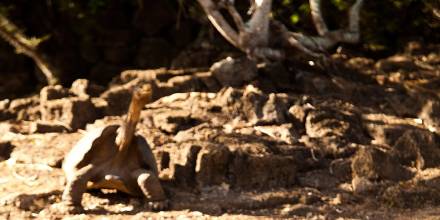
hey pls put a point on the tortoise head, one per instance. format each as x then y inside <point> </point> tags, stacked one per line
<point>143,94</point>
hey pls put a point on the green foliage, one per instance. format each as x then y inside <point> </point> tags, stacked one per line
<point>293,13</point>
<point>294,18</point>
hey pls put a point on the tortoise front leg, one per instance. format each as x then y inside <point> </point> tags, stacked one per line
<point>75,188</point>
<point>150,186</point>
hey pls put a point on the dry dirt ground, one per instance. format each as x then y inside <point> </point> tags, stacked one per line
<point>357,141</point>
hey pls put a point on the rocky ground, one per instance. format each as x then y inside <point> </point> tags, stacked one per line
<point>357,141</point>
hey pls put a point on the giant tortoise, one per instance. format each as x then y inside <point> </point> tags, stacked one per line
<point>114,157</point>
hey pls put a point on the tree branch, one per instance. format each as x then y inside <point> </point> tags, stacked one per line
<point>253,37</point>
<point>328,39</point>
<point>10,33</point>
<point>258,24</point>
<point>219,22</point>
<point>354,18</point>
<point>318,20</point>
<point>236,16</point>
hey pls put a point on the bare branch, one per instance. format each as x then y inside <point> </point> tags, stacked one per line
<point>327,39</point>
<point>10,33</point>
<point>258,25</point>
<point>219,22</point>
<point>253,37</point>
<point>291,38</point>
<point>236,16</point>
<point>318,20</point>
<point>436,13</point>
<point>301,42</point>
<point>354,18</point>
<point>252,7</point>
<point>269,53</point>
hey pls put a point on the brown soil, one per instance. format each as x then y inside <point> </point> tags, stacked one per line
<point>360,141</point>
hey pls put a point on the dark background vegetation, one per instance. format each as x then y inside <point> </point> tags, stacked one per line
<point>96,39</point>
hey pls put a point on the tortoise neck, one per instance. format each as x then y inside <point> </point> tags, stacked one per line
<point>128,126</point>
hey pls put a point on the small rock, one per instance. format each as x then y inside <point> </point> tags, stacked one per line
<point>234,71</point>
<point>361,185</point>
<point>373,164</point>
<point>418,148</point>
<point>83,87</point>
